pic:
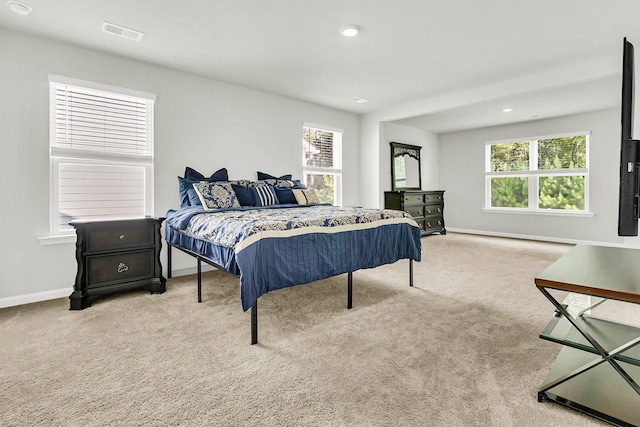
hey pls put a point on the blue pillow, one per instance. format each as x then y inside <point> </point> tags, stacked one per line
<point>244,195</point>
<point>219,175</point>
<point>285,195</point>
<point>193,197</point>
<point>184,185</point>
<point>262,175</point>
<point>299,185</point>
<point>264,195</point>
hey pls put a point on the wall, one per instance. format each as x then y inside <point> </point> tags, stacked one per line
<point>199,122</point>
<point>429,155</point>
<point>462,176</point>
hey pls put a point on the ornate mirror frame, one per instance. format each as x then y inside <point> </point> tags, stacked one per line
<point>400,154</point>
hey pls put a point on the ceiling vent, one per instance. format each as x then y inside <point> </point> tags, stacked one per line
<point>118,30</point>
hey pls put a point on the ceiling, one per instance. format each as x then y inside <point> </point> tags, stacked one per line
<point>407,51</point>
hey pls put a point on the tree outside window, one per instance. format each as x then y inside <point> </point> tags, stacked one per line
<point>321,162</point>
<point>538,174</point>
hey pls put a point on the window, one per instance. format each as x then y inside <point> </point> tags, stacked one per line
<point>322,162</point>
<point>542,174</point>
<point>101,152</point>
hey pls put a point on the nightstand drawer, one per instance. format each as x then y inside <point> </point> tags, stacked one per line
<point>122,267</point>
<point>120,237</point>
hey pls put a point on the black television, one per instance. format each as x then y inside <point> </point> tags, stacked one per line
<point>629,161</point>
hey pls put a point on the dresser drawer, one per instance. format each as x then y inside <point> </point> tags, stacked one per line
<point>120,237</point>
<point>413,199</point>
<point>433,222</point>
<point>415,211</point>
<point>433,198</point>
<point>433,210</point>
<point>122,267</point>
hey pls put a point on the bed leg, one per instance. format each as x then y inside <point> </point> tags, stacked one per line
<point>254,323</point>
<point>199,280</point>
<point>410,272</point>
<point>350,290</point>
<point>169,260</point>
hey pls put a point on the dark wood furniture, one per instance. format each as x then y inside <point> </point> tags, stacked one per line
<point>598,369</point>
<point>116,255</point>
<point>426,207</point>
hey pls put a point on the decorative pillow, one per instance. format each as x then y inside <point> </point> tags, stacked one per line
<point>264,195</point>
<point>273,182</point>
<point>244,195</point>
<point>285,195</point>
<point>194,200</point>
<point>219,175</point>
<point>298,184</point>
<point>262,175</point>
<point>183,187</point>
<point>306,197</point>
<point>216,195</point>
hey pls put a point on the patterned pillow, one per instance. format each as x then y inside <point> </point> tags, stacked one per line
<point>264,195</point>
<point>216,195</point>
<point>280,183</point>
<point>306,197</point>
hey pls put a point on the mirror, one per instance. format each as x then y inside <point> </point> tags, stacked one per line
<point>405,167</point>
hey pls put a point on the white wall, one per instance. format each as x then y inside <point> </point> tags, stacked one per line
<point>462,176</point>
<point>199,122</point>
<point>429,155</point>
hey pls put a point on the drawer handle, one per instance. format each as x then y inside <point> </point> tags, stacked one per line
<point>439,210</point>
<point>122,237</point>
<point>122,267</point>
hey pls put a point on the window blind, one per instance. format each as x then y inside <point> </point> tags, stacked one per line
<point>100,121</point>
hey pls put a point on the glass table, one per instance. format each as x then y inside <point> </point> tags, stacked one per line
<point>595,291</point>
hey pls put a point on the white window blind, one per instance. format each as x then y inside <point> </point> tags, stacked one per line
<point>100,121</point>
<point>101,152</point>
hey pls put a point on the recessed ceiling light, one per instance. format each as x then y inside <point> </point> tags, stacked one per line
<point>349,30</point>
<point>507,109</point>
<point>360,100</point>
<point>19,8</point>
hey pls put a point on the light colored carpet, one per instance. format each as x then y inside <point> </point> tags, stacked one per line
<point>461,348</point>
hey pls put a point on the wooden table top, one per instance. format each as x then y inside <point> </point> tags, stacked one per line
<point>600,271</point>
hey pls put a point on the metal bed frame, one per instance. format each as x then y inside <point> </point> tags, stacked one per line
<point>254,307</point>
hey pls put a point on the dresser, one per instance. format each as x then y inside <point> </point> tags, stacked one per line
<point>426,207</point>
<point>114,256</point>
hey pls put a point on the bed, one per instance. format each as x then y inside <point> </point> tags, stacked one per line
<point>273,243</point>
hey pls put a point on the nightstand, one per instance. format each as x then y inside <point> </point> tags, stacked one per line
<point>115,256</point>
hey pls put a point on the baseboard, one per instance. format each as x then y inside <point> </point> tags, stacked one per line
<point>65,292</point>
<point>36,297</point>
<point>191,270</point>
<point>533,237</point>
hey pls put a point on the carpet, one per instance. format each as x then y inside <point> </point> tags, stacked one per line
<point>460,348</point>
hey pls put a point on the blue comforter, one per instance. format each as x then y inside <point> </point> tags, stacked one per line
<point>287,245</point>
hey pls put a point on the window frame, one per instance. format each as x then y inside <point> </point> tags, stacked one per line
<point>533,174</point>
<point>60,155</point>
<point>336,170</point>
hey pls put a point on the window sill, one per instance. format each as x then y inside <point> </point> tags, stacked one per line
<point>545,212</point>
<point>57,240</point>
